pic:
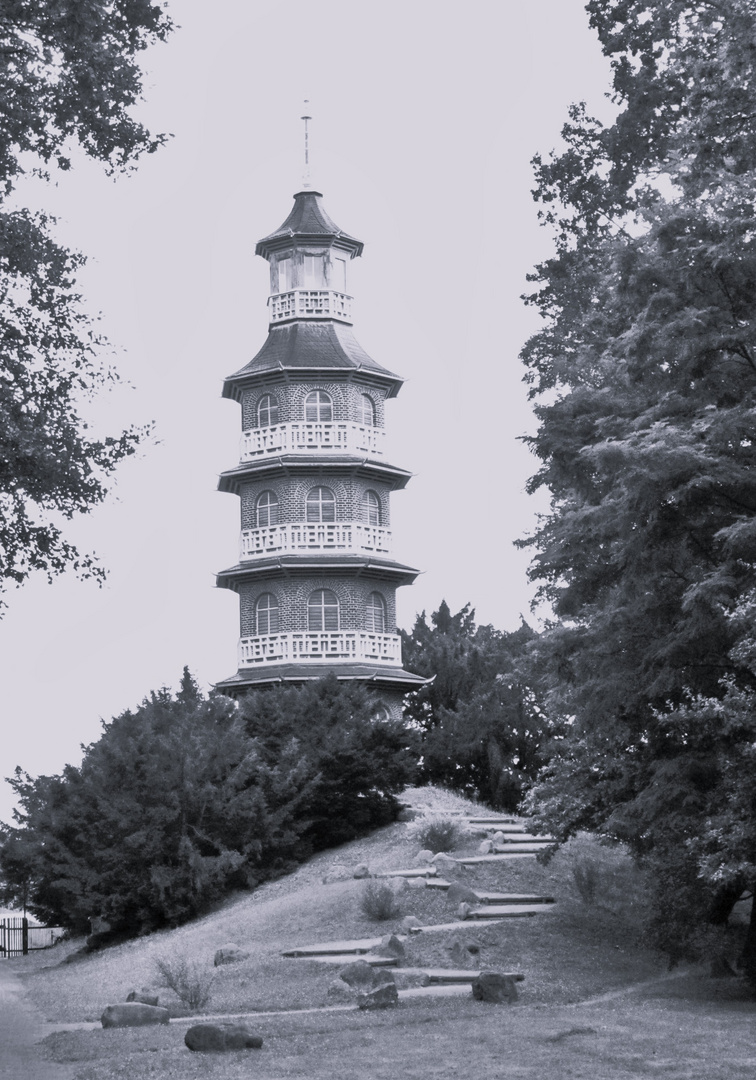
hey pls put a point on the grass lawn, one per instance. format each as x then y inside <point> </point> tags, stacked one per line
<point>588,945</point>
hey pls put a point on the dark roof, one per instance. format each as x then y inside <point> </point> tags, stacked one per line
<point>297,565</point>
<point>308,219</point>
<point>303,345</point>
<point>385,676</point>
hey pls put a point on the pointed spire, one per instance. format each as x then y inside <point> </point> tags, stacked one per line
<point>306,174</point>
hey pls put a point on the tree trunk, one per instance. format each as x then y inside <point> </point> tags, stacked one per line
<point>748,955</point>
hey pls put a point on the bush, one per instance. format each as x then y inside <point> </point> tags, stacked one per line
<point>586,874</point>
<point>439,834</point>
<point>378,902</point>
<point>189,980</point>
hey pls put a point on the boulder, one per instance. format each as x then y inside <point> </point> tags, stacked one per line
<point>423,858</point>
<point>494,987</point>
<point>498,838</point>
<point>229,954</point>
<point>383,997</point>
<point>411,922</point>
<point>364,976</point>
<point>362,870</point>
<point>463,911</point>
<point>416,882</point>
<point>222,1038</point>
<point>338,990</point>
<point>459,893</point>
<point>390,946</point>
<point>143,998</point>
<point>445,864</point>
<point>485,847</point>
<point>336,873</point>
<point>133,1014</point>
<point>461,952</point>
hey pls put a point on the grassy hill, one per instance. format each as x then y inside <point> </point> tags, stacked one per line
<point>584,947</point>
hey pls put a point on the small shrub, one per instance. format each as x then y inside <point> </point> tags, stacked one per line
<point>189,980</point>
<point>439,834</point>
<point>378,902</point>
<point>586,874</point>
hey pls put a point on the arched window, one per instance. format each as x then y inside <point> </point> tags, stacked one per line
<point>267,509</point>
<point>371,508</point>
<point>318,406</point>
<point>323,610</point>
<point>375,613</point>
<point>267,411</point>
<point>321,504</point>
<point>367,411</point>
<point>266,610</point>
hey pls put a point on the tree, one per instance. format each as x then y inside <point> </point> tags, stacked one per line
<point>482,729</point>
<point>357,765</point>
<point>645,376</point>
<point>68,74</point>
<point>186,798</point>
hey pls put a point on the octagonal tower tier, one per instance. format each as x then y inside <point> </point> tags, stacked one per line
<point>316,576</point>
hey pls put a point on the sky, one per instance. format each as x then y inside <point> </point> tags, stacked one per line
<point>426,115</point>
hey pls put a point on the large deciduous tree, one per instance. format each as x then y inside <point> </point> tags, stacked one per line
<point>68,76</point>
<point>644,374</point>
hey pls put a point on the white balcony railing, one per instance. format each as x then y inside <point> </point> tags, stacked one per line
<point>321,646</point>
<point>310,536</point>
<point>303,437</point>
<point>310,304</point>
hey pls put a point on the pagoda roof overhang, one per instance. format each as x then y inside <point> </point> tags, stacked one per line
<point>304,347</point>
<point>384,678</point>
<point>291,566</point>
<point>308,222</point>
<point>312,465</point>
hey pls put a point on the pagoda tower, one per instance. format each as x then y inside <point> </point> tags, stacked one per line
<point>316,576</point>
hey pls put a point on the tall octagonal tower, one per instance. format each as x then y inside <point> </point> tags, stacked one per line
<point>316,576</point>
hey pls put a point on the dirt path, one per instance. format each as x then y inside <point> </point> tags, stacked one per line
<point>21,1028</point>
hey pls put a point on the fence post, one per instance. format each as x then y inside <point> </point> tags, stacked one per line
<point>25,936</point>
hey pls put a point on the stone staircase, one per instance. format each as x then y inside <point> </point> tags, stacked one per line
<point>510,839</point>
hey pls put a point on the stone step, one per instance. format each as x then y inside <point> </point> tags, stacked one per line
<point>511,898</point>
<point>526,849</point>
<point>447,990</point>
<point>437,883</point>
<point>506,911</point>
<point>475,860</point>
<point>452,975</point>
<point>326,948</point>
<point>527,838</point>
<point>493,821</point>
<point>459,925</point>
<point>414,871</point>
<point>349,958</point>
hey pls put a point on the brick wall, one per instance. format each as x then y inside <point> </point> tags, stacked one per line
<point>291,493</point>
<point>291,401</point>
<point>292,595</point>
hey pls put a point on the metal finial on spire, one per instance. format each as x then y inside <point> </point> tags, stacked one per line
<point>306,118</point>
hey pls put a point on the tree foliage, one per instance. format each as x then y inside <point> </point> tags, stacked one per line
<point>186,797</point>
<point>483,732</point>
<point>68,75</point>
<point>644,374</point>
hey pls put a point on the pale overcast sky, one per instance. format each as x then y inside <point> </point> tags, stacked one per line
<point>426,114</point>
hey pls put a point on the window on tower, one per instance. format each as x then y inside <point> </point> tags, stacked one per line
<point>318,407</point>
<point>321,504</point>
<point>284,275</point>
<point>323,610</point>
<point>367,411</point>
<point>313,267</point>
<point>267,509</point>
<point>371,508</point>
<point>267,411</point>
<point>375,613</point>
<point>266,611</point>
<point>339,274</point>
